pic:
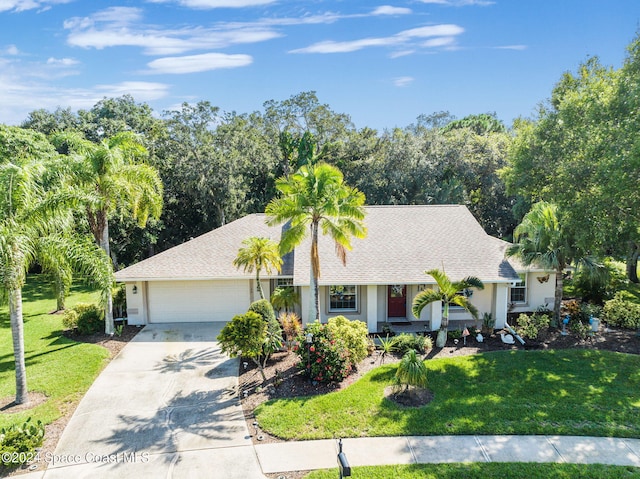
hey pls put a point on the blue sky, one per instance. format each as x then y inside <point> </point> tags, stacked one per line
<point>383,63</point>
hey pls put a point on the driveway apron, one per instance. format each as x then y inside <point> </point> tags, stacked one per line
<point>165,407</point>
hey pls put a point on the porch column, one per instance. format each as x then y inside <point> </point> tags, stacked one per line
<point>502,304</point>
<point>436,315</point>
<point>305,293</point>
<point>372,308</point>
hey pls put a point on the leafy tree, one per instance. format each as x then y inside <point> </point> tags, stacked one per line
<point>316,198</point>
<point>303,113</point>
<point>581,153</point>
<point>110,116</point>
<point>541,240</point>
<point>258,254</point>
<point>119,181</point>
<point>52,122</point>
<point>482,124</point>
<point>245,336</point>
<point>34,221</point>
<point>447,293</point>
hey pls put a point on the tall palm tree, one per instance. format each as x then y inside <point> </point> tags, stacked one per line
<point>540,240</point>
<point>258,254</point>
<point>34,221</point>
<point>447,292</point>
<point>312,199</point>
<point>115,174</point>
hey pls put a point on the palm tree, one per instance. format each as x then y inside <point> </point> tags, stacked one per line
<point>33,222</point>
<point>312,199</point>
<point>447,292</point>
<point>114,173</point>
<point>257,254</point>
<point>541,241</point>
<point>285,298</point>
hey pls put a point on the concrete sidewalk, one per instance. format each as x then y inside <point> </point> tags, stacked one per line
<point>293,456</point>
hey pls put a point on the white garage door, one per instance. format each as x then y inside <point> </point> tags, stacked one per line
<point>197,301</point>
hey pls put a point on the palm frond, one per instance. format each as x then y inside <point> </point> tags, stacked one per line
<point>469,282</point>
<point>424,298</point>
<point>464,302</point>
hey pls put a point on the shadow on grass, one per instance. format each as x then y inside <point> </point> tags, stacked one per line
<point>7,362</point>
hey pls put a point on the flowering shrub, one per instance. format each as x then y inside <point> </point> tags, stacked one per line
<point>327,359</point>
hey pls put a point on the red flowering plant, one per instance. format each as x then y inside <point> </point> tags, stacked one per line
<point>326,359</point>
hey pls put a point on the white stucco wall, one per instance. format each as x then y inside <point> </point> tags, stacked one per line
<point>482,300</point>
<point>538,293</point>
<point>136,303</point>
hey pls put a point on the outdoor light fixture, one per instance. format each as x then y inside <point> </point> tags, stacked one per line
<point>134,290</point>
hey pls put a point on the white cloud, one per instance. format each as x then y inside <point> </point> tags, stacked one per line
<point>401,53</point>
<point>107,29</point>
<point>198,63</point>
<point>344,47</point>
<point>10,50</point>
<point>208,4</point>
<point>512,47</point>
<point>403,81</point>
<point>389,10</point>
<point>432,31</point>
<point>140,90</point>
<point>439,42</point>
<point>62,61</point>
<point>330,46</point>
<point>22,92</point>
<point>23,5</point>
<point>460,3</point>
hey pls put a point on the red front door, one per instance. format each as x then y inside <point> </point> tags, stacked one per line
<point>397,301</point>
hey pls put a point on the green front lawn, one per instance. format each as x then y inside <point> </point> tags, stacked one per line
<point>566,392</point>
<point>487,471</point>
<point>57,366</point>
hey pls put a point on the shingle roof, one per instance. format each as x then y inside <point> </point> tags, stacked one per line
<point>209,256</point>
<point>405,241</point>
<point>402,242</point>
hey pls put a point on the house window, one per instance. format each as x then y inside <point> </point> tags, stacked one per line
<point>467,293</point>
<point>343,298</point>
<point>519,291</point>
<point>284,282</point>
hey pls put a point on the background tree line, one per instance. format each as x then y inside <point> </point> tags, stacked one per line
<point>217,166</point>
<point>580,152</point>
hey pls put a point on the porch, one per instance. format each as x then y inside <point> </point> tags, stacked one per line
<point>399,327</point>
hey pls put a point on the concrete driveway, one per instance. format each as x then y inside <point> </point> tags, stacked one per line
<point>166,407</point>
